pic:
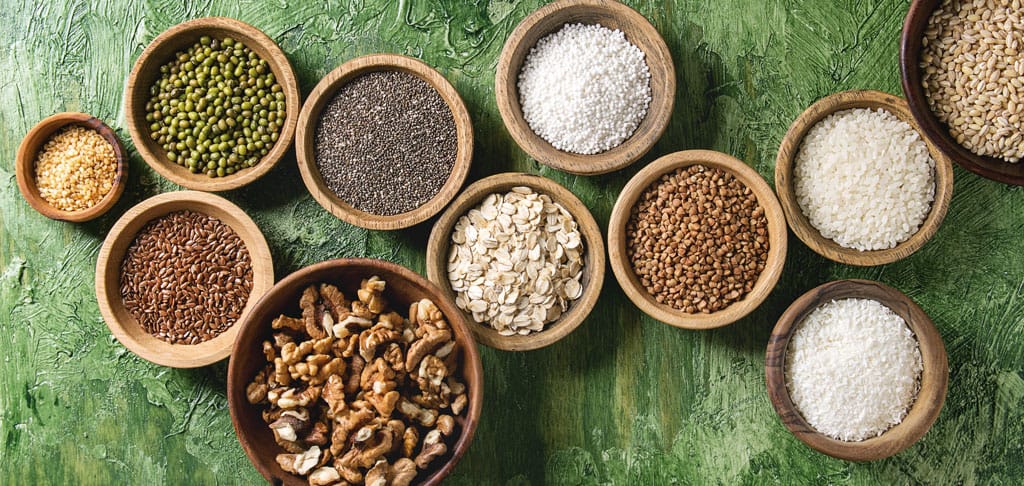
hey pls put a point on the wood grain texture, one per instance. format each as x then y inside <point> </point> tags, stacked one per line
<point>439,245</point>
<point>612,15</point>
<point>126,328</point>
<point>934,375</point>
<point>623,268</point>
<point>624,399</point>
<point>325,91</point>
<point>786,186</point>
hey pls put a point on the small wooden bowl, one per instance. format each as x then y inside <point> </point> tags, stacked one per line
<point>623,269</point>
<point>403,287</point>
<point>324,92</point>
<point>147,71</point>
<point>786,187</point>
<point>932,129</point>
<point>33,142</point>
<point>108,277</point>
<point>593,258</point>
<point>610,14</point>
<point>934,376</point>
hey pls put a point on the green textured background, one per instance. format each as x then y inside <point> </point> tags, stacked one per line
<point>624,399</point>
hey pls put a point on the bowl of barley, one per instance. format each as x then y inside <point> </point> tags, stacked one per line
<point>962,69</point>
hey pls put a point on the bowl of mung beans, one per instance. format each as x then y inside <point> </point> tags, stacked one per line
<point>175,275</point>
<point>697,239</point>
<point>212,104</point>
<point>962,69</point>
<point>71,167</point>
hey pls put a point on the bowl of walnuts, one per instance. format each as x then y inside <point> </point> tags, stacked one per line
<point>355,371</point>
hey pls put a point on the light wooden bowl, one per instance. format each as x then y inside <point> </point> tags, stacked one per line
<point>33,142</point>
<point>934,376</point>
<point>147,71</point>
<point>785,186</point>
<point>108,277</point>
<point>623,269</point>
<point>324,92</point>
<point>931,128</point>
<point>593,258</point>
<point>613,15</point>
<point>403,287</point>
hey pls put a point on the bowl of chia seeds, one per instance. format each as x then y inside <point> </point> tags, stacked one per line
<point>384,142</point>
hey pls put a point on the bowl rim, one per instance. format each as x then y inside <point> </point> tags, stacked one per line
<point>438,245</point>
<point>150,61</point>
<point>107,278</point>
<point>659,111</point>
<point>623,270</point>
<point>932,129</point>
<point>786,188</point>
<point>325,91</point>
<point>32,143</point>
<point>934,376</point>
<point>471,358</point>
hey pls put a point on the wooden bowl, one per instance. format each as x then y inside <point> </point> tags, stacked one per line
<point>33,142</point>
<point>147,71</point>
<point>931,128</point>
<point>403,287</point>
<point>786,187</point>
<point>324,92</point>
<point>108,277</point>
<point>613,15</point>
<point>934,376</point>
<point>623,269</point>
<point>593,258</point>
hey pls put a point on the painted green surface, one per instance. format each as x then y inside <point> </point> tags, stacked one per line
<point>624,399</point>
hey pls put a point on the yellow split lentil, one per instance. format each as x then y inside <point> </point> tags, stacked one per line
<point>75,169</point>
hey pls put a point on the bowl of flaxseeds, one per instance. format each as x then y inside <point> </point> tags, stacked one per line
<point>71,167</point>
<point>697,239</point>
<point>177,272</point>
<point>384,142</point>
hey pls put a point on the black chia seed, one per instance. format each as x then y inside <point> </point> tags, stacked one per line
<point>386,143</point>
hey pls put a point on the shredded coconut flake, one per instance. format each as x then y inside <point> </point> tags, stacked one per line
<point>864,179</point>
<point>585,89</point>
<point>853,369</point>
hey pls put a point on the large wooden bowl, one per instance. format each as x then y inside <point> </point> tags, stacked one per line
<point>786,187</point>
<point>324,92</point>
<point>623,269</point>
<point>147,71</point>
<point>613,15</point>
<point>108,277</point>
<point>24,167</point>
<point>593,258</point>
<point>403,288</point>
<point>934,376</point>
<point>931,128</point>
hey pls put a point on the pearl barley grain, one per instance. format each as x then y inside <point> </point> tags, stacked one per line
<point>585,89</point>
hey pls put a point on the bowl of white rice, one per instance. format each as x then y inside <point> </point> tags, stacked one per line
<point>585,86</point>
<point>856,370</point>
<point>858,182</point>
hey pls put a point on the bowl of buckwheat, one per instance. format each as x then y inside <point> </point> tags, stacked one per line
<point>355,371</point>
<point>521,257</point>
<point>697,239</point>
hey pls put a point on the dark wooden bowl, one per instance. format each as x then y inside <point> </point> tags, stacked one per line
<point>324,92</point>
<point>613,15</point>
<point>935,131</point>
<point>593,258</point>
<point>147,71</point>
<point>108,277</point>
<point>24,166</point>
<point>934,376</point>
<point>623,269</point>
<point>403,287</point>
<point>786,188</point>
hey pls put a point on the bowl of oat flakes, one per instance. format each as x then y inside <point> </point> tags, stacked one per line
<point>521,257</point>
